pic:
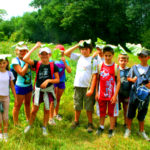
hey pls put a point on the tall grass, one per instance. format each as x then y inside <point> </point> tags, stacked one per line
<point>61,137</point>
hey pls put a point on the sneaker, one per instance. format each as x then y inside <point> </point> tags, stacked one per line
<point>52,122</point>
<point>27,129</point>
<point>110,133</point>
<point>99,131</point>
<point>74,125</point>
<point>143,134</point>
<point>45,133</point>
<point>1,137</point>
<point>5,137</point>
<point>90,128</point>
<point>127,133</point>
<point>58,117</point>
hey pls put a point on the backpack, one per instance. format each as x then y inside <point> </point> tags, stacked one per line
<point>141,92</point>
<point>13,70</point>
<point>38,67</point>
<point>125,84</point>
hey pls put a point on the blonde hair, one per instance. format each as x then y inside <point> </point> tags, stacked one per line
<point>123,56</point>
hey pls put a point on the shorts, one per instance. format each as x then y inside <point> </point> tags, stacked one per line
<point>50,96</point>
<point>122,100</point>
<point>60,85</point>
<point>80,98</point>
<point>103,104</point>
<point>23,90</point>
<point>141,113</point>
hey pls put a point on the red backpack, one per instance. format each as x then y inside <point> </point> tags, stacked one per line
<point>38,66</point>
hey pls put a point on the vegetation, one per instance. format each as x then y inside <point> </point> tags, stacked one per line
<point>61,137</point>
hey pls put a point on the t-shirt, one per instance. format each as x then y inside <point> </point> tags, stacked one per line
<point>141,69</point>
<point>85,69</point>
<point>44,73</point>
<point>107,81</point>
<point>4,82</point>
<point>99,59</point>
<point>22,81</point>
<point>61,67</point>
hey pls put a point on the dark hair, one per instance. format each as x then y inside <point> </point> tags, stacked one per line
<point>86,45</point>
<point>108,49</point>
<point>7,67</point>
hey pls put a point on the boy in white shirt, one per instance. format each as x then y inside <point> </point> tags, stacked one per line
<point>86,66</point>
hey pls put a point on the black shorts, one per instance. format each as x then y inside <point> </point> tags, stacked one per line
<point>141,112</point>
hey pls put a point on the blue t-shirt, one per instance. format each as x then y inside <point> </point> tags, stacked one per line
<point>61,66</point>
<point>24,81</point>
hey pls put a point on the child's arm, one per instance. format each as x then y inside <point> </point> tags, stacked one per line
<point>66,66</point>
<point>95,54</point>
<point>91,90</point>
<point>97,84</point>
<point>13,88</point>
<point>21,71</point>
<point>132,79</point>
<point>114,98</point>
<point>46,82</point>
<point>148,85</point>
<point>26,58</point>
<point>70,50</point>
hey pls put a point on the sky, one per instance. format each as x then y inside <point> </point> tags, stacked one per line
<point>15,7</point>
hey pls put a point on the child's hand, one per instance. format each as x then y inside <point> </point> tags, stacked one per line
<point>148,85</point>
<point>113,100</point>
<point>38,44</point>
<point>134,79</point>
<point>96,97</point>
<point>44,84</point>
<point>81,42</point>
<point>89,93</point>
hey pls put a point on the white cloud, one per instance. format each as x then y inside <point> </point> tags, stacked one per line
<point>15,7</point>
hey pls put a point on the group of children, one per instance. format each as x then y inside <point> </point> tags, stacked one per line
<point>97,78</point>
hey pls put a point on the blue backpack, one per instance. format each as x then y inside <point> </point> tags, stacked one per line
<point>141,92</point>
<point>13,70</point>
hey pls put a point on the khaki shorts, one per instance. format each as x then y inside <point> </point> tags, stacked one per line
<point>80,98</point>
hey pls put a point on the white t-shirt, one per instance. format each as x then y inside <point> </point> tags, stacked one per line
<point>4,82</point>
<point>84,70</point>
<point>142,69</point>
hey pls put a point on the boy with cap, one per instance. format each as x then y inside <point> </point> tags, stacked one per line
<point>136,72</point>
<point>44,89</point>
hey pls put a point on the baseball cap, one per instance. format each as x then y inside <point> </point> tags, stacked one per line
<point>143,52</point>
<point>22,45</point>
<point>45,49</point>
<point>61,47</point>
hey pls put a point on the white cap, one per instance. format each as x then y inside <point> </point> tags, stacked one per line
<point>45,49</point>
<point>4,56</point>
<point>23,47</point>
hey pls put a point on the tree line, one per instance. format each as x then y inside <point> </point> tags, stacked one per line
<point>65,21</point>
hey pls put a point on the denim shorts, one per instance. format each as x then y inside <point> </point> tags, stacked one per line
<point>23,90</point>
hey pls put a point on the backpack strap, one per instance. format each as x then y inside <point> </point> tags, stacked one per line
<point>18,61</point>
<point>135,70</point>
<point>148,72</point>
<point>9,74</point>
<point>99,67</point>
<point>116,69</point>
<point>52,68</point>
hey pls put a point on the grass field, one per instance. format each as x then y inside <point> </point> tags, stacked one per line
<point>61,137</point>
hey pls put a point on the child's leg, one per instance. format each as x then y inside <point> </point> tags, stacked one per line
<point>125,107</point>
<point>141,126</point>
<point>5,114</point>
<point>112,122</point>
<point>89,115</point>
<point>59,93</point>
<point>129,123</point>
<point>27,105</point>
<point>102,121</point>
<point>46,117</point>
<point>0,122</point>
<point>51,111</point>
<point>17,105</point>
<point>77,115</point>
<point>33,114</point>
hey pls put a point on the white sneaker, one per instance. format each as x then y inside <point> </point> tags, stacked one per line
<point>45,133</point>
<point>5,137</point>
<point>27,129</point>
<point>52,122</point>
<point>58,117</point>
<point>127,133</point>
<point>1,137</point>
<point>143,134</point>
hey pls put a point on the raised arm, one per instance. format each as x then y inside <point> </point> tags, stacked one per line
<point>21,71</point>
<point>66,66</point>
<point>27,58</point>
